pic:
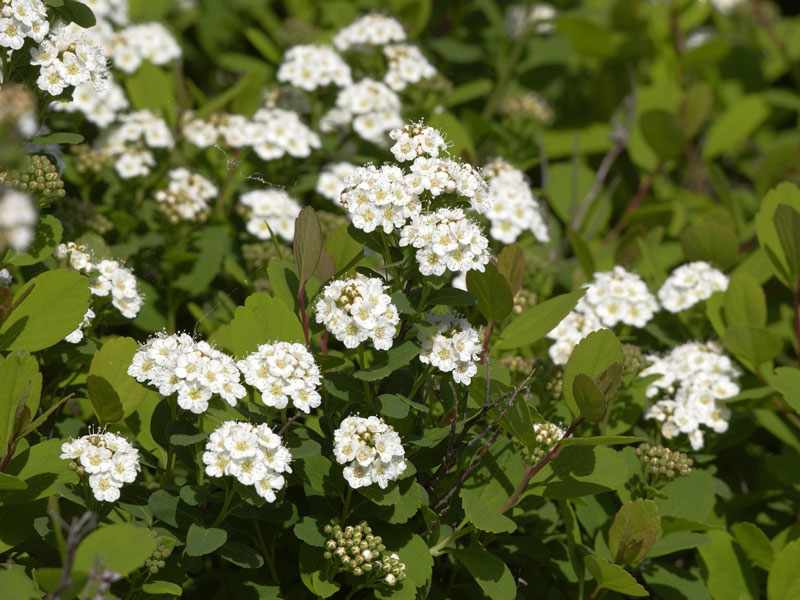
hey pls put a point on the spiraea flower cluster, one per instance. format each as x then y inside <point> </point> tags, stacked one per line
<point>415,140</point>
<point>270,209</point>
<point>187,196</point>
<point>379,197</point>
<point>107,278</point>
<point>309,67</point>
<point>356,310</point>
<point>453,347</point>
<point>141,42</point>
<point>108,459</point>
<point>195,370</point>
<point>371,449</point>
<point>282,371</point>
<point>547,436</point>
<point>370,106</point>
<point>695,380</point>
<point>17,219</point>
<point>331,182</point>
<point>446,239</point>
<point>130,143</point>
<point>354,549</point>
<point>579,323</point>
<point>513,207</point>
<point>102,109</point>
<point>65,58</point>
<point>406,65</point>
<point>21,19</point>
<point>370,30</point>
<point>253,454</point>
<point>689,284</point>
<point>662,465</point>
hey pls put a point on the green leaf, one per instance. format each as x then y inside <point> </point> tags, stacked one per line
<point>241,555</point>
<point>263,319</point>
<point>783,582</point>
<point>418,560</point>
<point>342,248</point>
<point>477,88</point>
<point>695,108</point>
<point>711,241</point>
<point>162,587</point>
<point>535,322</point>
<point>745,302</point>
<point>690,497</point>
<point>263,44</point>
<point>663,133</point>
<point>729,576</point>
<point>214,243</point>
<point>307,245</point>
<point>511,265</point>
<point>15,584</point>
<point>111,362</point>
<point>492,291</point>
<point>481,508</point>
<point>675,542</point>
<point>788,194</point>
<point>787,225</point>
<point>152,88</point>
<point>613,577</point>
<point>450,297</point>
<point>78,13</point>
<point>202,540</point>
<point>459,139</point>
<point>10,482</point>
<point>41,468</point>
<point>312,572</point>
<point>308,530</point>
<point>390,361</point>
<point>393,405</point>
<point>737,123</point>
<point>602,440</point>
<point>490,572</point>
<point>755,543</point>
<point>20,385</point>
<point>593,355</point>
<point>104,399</point>
<point>755,345</point>
<point>53,309</point>
<point>122,548</point>
<point>633,531</point>
<point>581,471</point>
<point>60,137</point>
<point>45,239</point>
<point>787,381</point>
<point>591,404</point>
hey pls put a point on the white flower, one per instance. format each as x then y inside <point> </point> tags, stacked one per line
<point>17,219</point>
<point>253,454</point>
<point>311,67</point>
<point>371,106</point>
<point>282,371</point>
<point>689,284</point>
<point>370,30</point>
<point>11,33</point>
<point>371,449</point>
<point>454,347</point>
<point>187,196</point>
<point>355,310</point>
<point>109,459</point>
<point>406,65</point>
<point>513,207</point>
<point>331,182</point>
<point>270,209</point>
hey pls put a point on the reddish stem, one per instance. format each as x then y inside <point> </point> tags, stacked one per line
<point>9,454</point>
<point>486,343</point>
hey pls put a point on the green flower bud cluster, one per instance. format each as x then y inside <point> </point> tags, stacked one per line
<point>632,358</point>
<point>524,299</point>
<point>354,549</point>
<point>37,176</point>
<point>547,436</point>
<point>519,366</point>
<point>662,464</point>
<point>158,559</point>
<point>88,160</point>
<point>528,106</point>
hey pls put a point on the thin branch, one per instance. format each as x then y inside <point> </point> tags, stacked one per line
<point>289,421</point>
<point>644,187</point>
<point>76,531</point>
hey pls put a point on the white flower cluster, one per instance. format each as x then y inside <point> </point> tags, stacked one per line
<point>331,182</point>
<point>406,65</point>
<point>355,310</point>
<point>689,284</point>
<point>76,336</point>
<point>445,176</point>
<point>195,370</point>
<point>100,108</point>
<point>538,15</point>
<point>20,19</point>
<point>513,207</point>
<point>379,197</point>
<point>65,58</point>
<point>370,105</point>
<point>108,459</point>
<point>270,209</point>
<point>144,41</point>
<point>453,347</point>
<point>373,450</point>
<point>611,297</point>
<point>695,380</point>
<point>17,219</point>
<point>276,132</point>
<point>312,66</point>
<point>370,30</point>
<point>187,196</point>
<point>253,454</point>
<point>130,141</point>
<point>415,140</point>
<point>283,371</point>
<point>106,278</point>
<point>109,10</point>
<point>446,240</point>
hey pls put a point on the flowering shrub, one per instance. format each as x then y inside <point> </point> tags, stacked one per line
<point>306,300</point>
